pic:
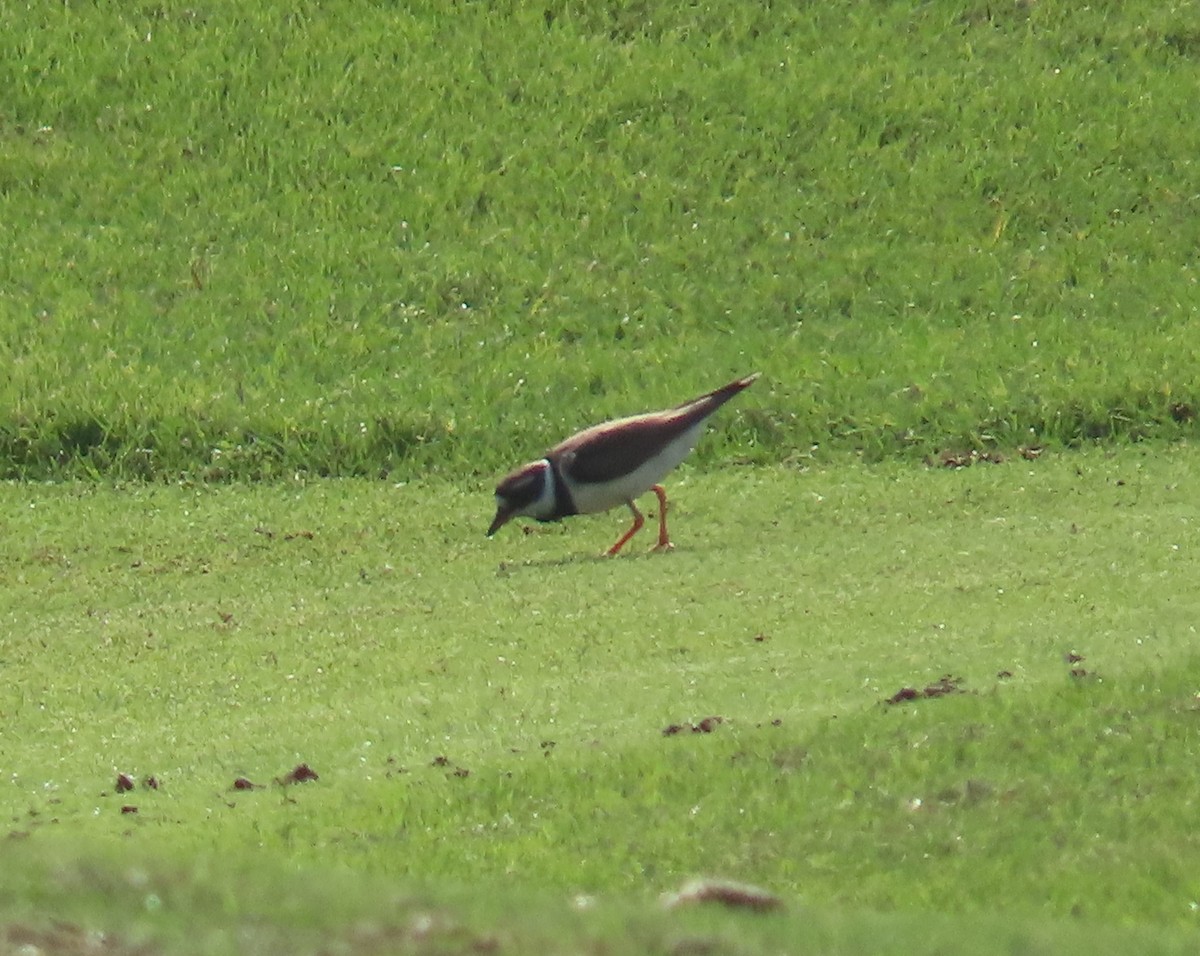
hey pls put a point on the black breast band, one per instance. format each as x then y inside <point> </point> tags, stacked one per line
<point>564,504</point>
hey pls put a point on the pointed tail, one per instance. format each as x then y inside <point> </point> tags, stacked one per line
<point>718,397</point>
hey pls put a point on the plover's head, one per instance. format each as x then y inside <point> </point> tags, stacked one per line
<point>528,491</point>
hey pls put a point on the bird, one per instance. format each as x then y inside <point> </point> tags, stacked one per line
<point>611,464</point>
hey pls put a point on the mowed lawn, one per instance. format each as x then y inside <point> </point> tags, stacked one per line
<point>283,293</point>
<point>518,715</point>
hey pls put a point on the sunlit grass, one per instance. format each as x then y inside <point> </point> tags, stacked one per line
<point>287,289</point>
<point>483,712</point>
<point>243,253</point>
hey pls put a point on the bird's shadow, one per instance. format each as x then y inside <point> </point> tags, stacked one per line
<point>571,560</point>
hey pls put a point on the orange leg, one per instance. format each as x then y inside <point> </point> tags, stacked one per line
<point>664,542</point>
<point>638,521</point>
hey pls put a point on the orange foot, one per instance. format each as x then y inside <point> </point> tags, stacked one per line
<point>664,541</point>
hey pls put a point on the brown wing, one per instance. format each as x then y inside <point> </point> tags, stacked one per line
<point>616,448</point>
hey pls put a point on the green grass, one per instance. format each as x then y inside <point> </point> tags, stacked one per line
<point>285,290</point>
<point>228,910</point>
<point>363,240</point>
<point>489,713</point>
